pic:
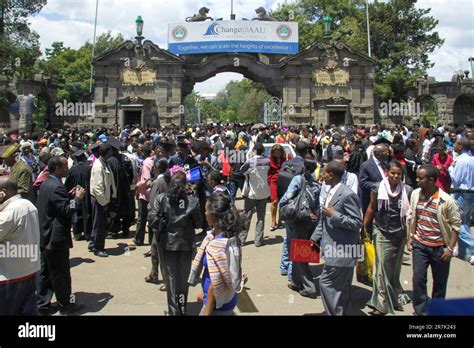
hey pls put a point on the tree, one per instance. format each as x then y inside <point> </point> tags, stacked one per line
<point>70,68</point>
<point>402,36</point>
<point>19,45</point>
<point>190,108</point>
<point>240,101</point>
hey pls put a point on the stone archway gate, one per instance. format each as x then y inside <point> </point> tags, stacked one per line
<point>323,82</point>
<point>454,100</point>
<point>38,88</point>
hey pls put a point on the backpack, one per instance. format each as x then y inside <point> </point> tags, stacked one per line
<point>298,208</point>
<point>287,172</point>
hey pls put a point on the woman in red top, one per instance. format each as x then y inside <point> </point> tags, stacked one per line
<point>443,161</point>
<point>280,138</point>
<point>277,157</point>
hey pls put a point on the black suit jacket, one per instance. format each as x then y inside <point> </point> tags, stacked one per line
<point>55,211</point>
<point>369,176</point>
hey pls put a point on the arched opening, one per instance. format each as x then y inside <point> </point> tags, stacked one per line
<point>464,110</point>
<point>253,67</point>
<point>9,112</point>
<point>226,97</point>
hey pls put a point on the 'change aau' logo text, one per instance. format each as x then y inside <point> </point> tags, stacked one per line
<point>212,29</point>
<point>179,33</point>
<point>284,32</point>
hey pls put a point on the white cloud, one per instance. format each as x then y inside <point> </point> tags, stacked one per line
<point>71,21</point>
<point>216,83</point>
<point>456,26</point>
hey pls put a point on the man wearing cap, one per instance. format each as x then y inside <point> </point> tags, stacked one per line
<point>28,157</point>
<point>20,171</point>
<point>80,175</point>
<point>184,154</point>
<point>102,190</point>
<point>122,170</point>
<point>94,153</point>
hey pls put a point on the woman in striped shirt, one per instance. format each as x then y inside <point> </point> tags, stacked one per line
<point>219,256</point>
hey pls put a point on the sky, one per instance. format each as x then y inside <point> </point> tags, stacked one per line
<point>72,22</point>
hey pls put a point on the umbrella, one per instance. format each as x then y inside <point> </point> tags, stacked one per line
<point>259,126</point>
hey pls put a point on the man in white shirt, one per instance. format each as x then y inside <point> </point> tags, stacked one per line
<point>19,232</point>
<point>426,147</point>
<point>348,179</point>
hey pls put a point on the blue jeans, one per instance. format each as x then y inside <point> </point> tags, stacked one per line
<point>465,202</point>
<point>233,186</point>
<point>285,264</point>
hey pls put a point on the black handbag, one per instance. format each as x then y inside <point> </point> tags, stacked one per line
<point>297,208</point>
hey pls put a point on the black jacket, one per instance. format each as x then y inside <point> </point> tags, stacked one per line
<point>183,220</point>
<point>413,161</point>
<point>358,156</point>
<point>55,214</point>
<point>369,176</point>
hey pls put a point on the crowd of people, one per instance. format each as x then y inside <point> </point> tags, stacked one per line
<point>405,187</point>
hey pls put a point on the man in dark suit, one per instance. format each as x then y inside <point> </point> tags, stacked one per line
<point>119,209</point>
<point>339,229</point>
<point>55,210</point>
<point>372,172</point>
<point>80,175</point>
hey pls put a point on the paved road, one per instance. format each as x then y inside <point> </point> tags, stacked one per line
<point>115,285</point>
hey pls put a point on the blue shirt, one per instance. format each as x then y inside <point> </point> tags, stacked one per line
<point>462,174</point>
<point>206,283</point>
<point>312,187</point>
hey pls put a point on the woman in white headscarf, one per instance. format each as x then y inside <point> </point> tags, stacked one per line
<point>390,206</point>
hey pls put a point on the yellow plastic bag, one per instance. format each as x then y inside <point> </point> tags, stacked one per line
<point>365,268</point>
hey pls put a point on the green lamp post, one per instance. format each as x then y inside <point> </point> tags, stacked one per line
<point>327,21</point>
<point>139,25</point>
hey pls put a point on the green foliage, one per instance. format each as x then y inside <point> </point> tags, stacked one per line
<point>240,101</point>
<point>190,108</point>
<point>70,68</point>
<point>19,45</point>
<point>402,36</point>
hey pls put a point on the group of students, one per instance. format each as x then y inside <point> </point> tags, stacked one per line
<point>104,177</point>
<point>397,212</point>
